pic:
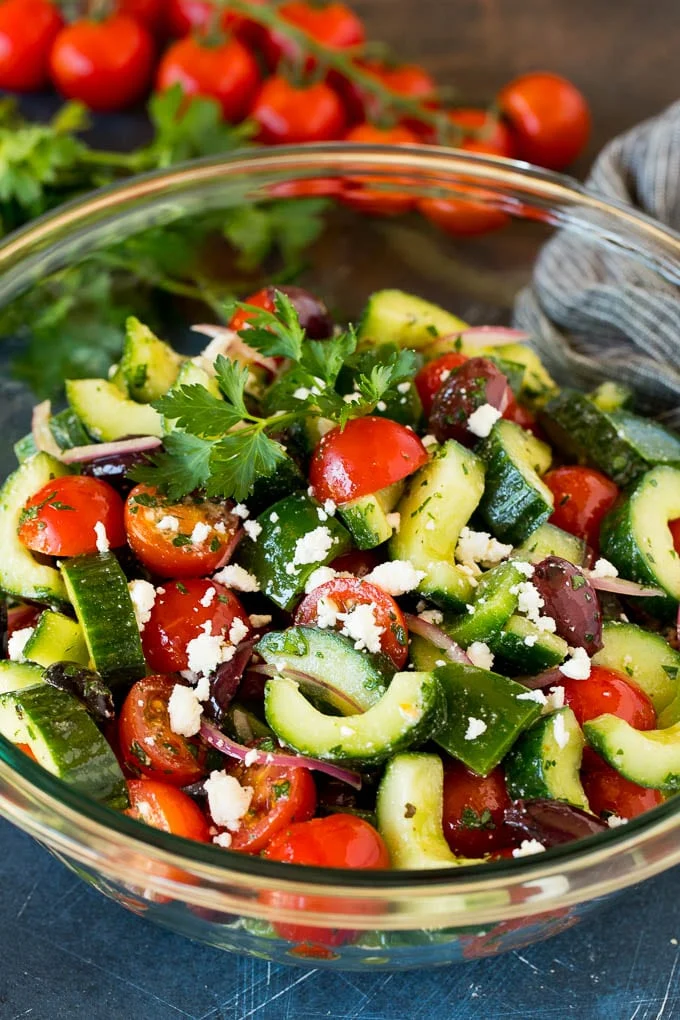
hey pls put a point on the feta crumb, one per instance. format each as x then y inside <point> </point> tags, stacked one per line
<point>434,616</point>
<point>319,576</point>
<point>478,547</point>
<point>223,839</point>
<point>251,757</point>
<point>102,538</point>
<point>330,506</point>
<point>480,655</point>
<point>200,533</point>
<point>313,547</point>
<point>603,568</point>
<point>241,510</point>
<point>475,728</point>
<point>327,613</point>
<point>559,731</point>
<point>430,441</point>
<point>440,662</point>
<point>184,710</point>
<point>220,527</point>
<point>207,651</point>
<point>17,643</point>
<point>168,523</point>
<point>143,596</point>
<point>237,631</point>
<point>530,640</point>
<point>396,577</point>
<point>228,801</point>
<point>537,696</point>
<point>578,666</point>
<point>252,529</point>
<point>273,517</point>
<point>394,521</point>
<point>381,405</point>
<point>209,598</point>
<point>361,626</point>
<point>555,699</point>
<point>234,576</point>
<point>259,620</point>
<point>528,847</point>
<point>321,514</point>
<point>202,688</point>
<point>614,821</point>
<point>483,420</point>
<point>524,568</point>
<point>403,387</point>
<point>301,393</point>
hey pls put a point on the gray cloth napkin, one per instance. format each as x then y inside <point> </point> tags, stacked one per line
<point>594,311</point>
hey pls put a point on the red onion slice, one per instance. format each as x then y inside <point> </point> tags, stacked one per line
<point>98,451</point>
<point>437,637</point>
<point>221,742</point>
<point>225,341</point>
<point>620,586</point>
<point>40,429</point>
<point>548,678</point>
<point>493,336</point>
<point>306,680</point>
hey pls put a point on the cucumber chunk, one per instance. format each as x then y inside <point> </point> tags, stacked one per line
<point>515,500</point>
<point>521,648</point>
<point>15,676</point>
<point>547,540</point>
<point>645,657</point>
<point>393,316</point>
<point>478,696</point>
<point>545,761</point>
<point>367,517</point>
<point>612,396</point>
<point>21,575</point>
<point>149,366</point>
<point>109,415</point>
<point>493,604</point>
<point>650,758</point>
<point>408,713</point>
<point>57,638</point>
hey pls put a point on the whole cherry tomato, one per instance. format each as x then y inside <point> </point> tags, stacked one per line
<point>334,25</point>
<point>314,317</point>
<point>27,30</point>
<point>281,796</point>
<point>227,72</point>
<point>287,114</point>
<point>167,808</point>
<point>549,118</point>
<point>185,16</point>
<point>433,375</point>
<point>608,792</point>
<point>60,519</point>
<point>583,497</point>
<point>105,64</point>
<point>357,192</point>
<point>408,80</point>
<point>474,130</point>
<point>149,12</point>
<point>473,811</point>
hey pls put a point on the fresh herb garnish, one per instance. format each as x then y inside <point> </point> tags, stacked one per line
<point>471,819</point>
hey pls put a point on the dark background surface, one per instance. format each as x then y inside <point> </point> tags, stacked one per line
<point>65,952</point>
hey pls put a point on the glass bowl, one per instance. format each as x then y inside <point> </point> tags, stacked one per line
<point>310,916</point>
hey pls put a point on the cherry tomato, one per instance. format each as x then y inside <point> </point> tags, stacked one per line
<point>105,64</point>
<point>185,16</point>
<point>582,498</point>
<point>521,416</point>
<point>609,792</point>
<point>549,118</point>
<point>22,617</point>
<point>314,317</point>
<point>433,375</point>
<point>409,80</point>
<point>180,614</point>
<point>160,532</point>
<point>357,193</point>
<point>348,592</point>
<point>148,744</point>
<point>475,130</point>
<point>367,455</point>
<point>608,692</point>
<point>473,810</point>
<point>167,808</point>
<point>334,25</point>
<point>675,533</point>
<point>227,72</point>
<point>27,30</point>
<point>288,114</point>
<point>149,12</point>
<point>281,796</point>
<point>261,299</point>
<point>358,562</point>
<point>60,519</point>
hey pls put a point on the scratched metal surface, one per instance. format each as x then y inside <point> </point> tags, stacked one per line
<point>68,953</point>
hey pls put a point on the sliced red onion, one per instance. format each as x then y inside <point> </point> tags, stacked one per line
<point>552,822</point>
<point>548,678</point>
<point>101,451</point>
<point>306,680</point>
<point>437,637</point>
<point>571,601</point>
<point>619,586</point>
<point>493,336</point>
<point>40,429</point>
<point>225,684</point>
<point>225,341</point>
<point>221,742</point>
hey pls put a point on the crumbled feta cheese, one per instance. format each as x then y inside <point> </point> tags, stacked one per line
<point>273,517</point>
<point>207,651</point>
<point>614,821</point>
<point>546,623</point>
<point>102,538</point>
<point>321,514</point>
<point>480,655</point>
<point>319,576</point>
<point>220,527</point>
<point>234,576</point>
<point>434,616</point>
<point>17,642</point>
<point>251,757</point>
<point>200,533</point>
<point>524,568</point>
<point>184,710</point>
<point>530,602</point>
<point>530,640</point>
<point>430,526</point>
<point>313,547</point>
<point>396,577</point>
<point>330,506</point>
<point>603,568</point>
<point>430,441</point>
<point>327,613</point>
<point>237,631</point>
<point>202,688</point>
<point>242,511</point>
<point>478,547</point>
<point>555,699</point>
<point>290,569</point>
<point>223,839</point>
<point>143,595</point>
<point>253,530</point>
<point>537,696</point>
<point>168,523</point>
<point>394,521</point>
<point>440,662</point>
<point>209,598</point>
<point>301,393</point>
<point>470,608</point>
<point>259,620</point>
<point>228,801</point>
<point>483,420</point>
<point>403,387</point>
<point>528,847</point>
<point>381,405</point>
<point>560,731</point>
<point>475,728</point>
<point>360,625</point>
<point>578,666</point>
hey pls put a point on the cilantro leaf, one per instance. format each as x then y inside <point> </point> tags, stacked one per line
<point>237,460</point>
<point>232,378</point>
<point>183,466</point>
<point>198,411</point>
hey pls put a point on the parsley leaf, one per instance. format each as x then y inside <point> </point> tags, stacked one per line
<point>194,408</point>
<point>289,228</point>
<point>232,378</point>
<point>323,359</point>
<point>239,459</point>
<point>183,466</point>
<point>276,333</point>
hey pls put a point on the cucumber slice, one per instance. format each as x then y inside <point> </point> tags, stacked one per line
<point>492,606</point>
<point>409,812</point>
<point>547,540</point>
<point>191,374</point>
<point>355,680</point>
<point>635,537</point>
<point>21,575</point>
<point>366,517</point>
<point>521,648</point>
<point>425,656</point>
<point>649,758</point>
<point>438,503</point>
<point>56,638</point>
<point>545,761</point>
<point>64,740</point>
<point>107,414</point>
<point>476,695</point>
<point>612,396</point>
<point>25,448</point>
<point>515,500</point>
<point>272,557</point>
<point>148,365</point>
<point>409,712</point>
<point>98,589</point>
<point>645,657</point>
<point>16,676</point>
<point>393,316</point>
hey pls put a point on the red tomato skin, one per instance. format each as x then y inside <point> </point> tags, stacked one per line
<point>608,792</point>
<point>367,455</point>
<point>675,532</point>
<point>548,116</point>
<point>184,16</point>
<point>333,24</point>
<point>149,12</point>
<point>430,377</point>
<point>608,692</point>
<point>288,115</point>
<point>521,416</point>
<point>358,562</point>
<point>583,497</point>
<point>69,531</point>
<point>337,841</point>
<point>28,29</point>
<point>465,790</point>
<point>261,299</point>
<point>165,807</point>
<point>475,130</point>
<point>268,813</point>
<point>356,192</point>
<point>227,73</point>
<point>178,617</point>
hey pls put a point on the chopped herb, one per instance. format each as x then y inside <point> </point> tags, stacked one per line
<point>281,789</point>
<point>471,819</point>
<point>180,540</point>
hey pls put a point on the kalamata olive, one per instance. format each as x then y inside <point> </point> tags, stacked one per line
<point>114,470</point>
<point>551,822</point>
<point>571,601</point>
<point>314,317</point>
<point>4,630</point>
<point>227,680</point>
<point>84,684</point>
<point>478,381</point>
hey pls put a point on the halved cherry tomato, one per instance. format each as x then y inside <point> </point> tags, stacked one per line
<point>261,299</point>
<point>167,808</point>
<point>280,796</point>
<point>357,192</point>
<point>105,64</point>
<point>608,692</point>
<point>609,792</point>
<point>314,317</point>
<point>582,498</point>
<point>287,114</point>
<point>189,538</point>
<point>367,455</point>
<point>473,811</point>
<point>334,25</point>
<point>149,12</point>
<point>521,416</point>
<point>227,72</point>
<point>147,742</point>
<point>358,562</point>
<point>27,30</point>
<point>180,614</point>
<point>22,617</point>
<point>433,375</point>
<point>60,519</point>
<point>348,592</point>
<point>549,118</point>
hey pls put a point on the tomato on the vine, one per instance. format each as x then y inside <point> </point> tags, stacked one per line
<point>281,796</point>
<point>185,16</point>
<point>473,811</point>
<point>288,114</point>
<point>149,12</point>
<point>357,191</point>
<point>433,375</point>
<point>28,29</point>
<point>583,496</point>
<point>608,792</point>
<point>72,516</point>
<point>226,72</point>
<point>334,25</point>
<point>411,81</point>
<point>167,808</point>
<point>549,118</point>
<point>474,130</point>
